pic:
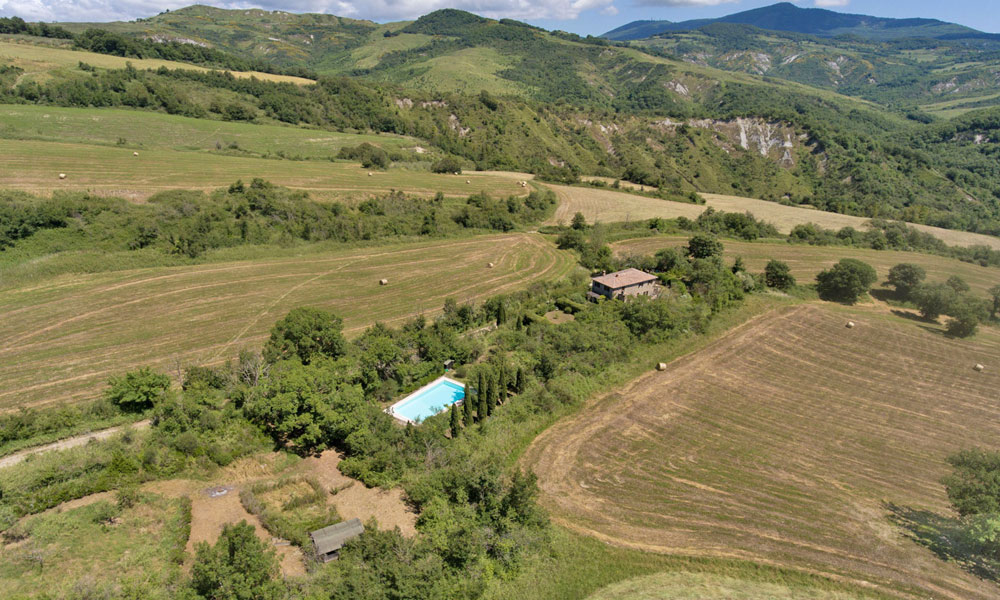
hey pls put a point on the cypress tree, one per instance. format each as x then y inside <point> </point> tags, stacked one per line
<point>491,400</point>
<point>501,385</point>
<point>455,426</point>
<point>502,313</point>
<point>520,382</point>
<point>481,390</point>
<point>467,406</point>
<point>481,412</point>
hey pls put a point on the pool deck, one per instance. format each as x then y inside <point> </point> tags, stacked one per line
<point>392,409</point>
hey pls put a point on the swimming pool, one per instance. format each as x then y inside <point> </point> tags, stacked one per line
<point>429,400</point>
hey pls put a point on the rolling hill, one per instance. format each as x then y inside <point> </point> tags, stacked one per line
<point>509,96</point>
<point>786,16</point>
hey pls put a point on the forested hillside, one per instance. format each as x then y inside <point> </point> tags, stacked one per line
<point>786,16</point>
<point>505,95</point>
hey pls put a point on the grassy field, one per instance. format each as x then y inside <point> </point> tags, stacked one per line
<point>145,130</point>
<point>787,442</point>
<point>35,166</point>
<point>696,586</point>
<point>63,336</point>
<point>37,61</point>
<point>89,550</point>
<point>608,206</point>
<point>806,261</point>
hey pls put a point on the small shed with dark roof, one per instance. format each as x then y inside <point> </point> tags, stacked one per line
<point>630,282</point>
<point>329,540</point>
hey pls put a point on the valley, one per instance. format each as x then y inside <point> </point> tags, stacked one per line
<point>691,310</point>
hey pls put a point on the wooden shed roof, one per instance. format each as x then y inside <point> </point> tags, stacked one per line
<point>332,538</point>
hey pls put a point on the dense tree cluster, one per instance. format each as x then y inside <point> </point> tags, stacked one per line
<point>189,224</point>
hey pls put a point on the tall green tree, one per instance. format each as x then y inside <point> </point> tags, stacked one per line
<point>305,333</point>
<point>455,424</point>
<point>995,296</point>
<point>467,406</point>
<point>501,384</point>
<point>520,382</point>
<point>958,284</point>
<point>933,299</point>
<point>974,484</point>
<point>238,567</point>
<point>966,313</point>
<point>846,281</point>
<point>905,277</point>
<point>778,275</point>
<point>703,245</point>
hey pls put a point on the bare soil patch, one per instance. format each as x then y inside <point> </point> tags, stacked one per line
<point>784,442</point>
<point>353,500</point>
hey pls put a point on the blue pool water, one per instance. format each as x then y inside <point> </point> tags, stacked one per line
<point>431,400</point>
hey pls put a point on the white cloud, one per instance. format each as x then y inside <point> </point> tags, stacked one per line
<point>108,10</point>
<point>610,10</point>
<point>831,3</point>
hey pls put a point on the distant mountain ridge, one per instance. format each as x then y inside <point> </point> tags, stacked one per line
<point>820,22</point>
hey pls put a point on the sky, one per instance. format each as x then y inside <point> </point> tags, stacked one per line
<point>578,16</point>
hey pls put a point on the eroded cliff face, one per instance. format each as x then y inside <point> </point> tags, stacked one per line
<point>776,141</point>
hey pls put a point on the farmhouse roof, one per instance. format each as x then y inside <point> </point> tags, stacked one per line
<point>332,538</point>
<point>625,278</point>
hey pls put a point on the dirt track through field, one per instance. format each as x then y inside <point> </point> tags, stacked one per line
<point>71,442</point>
<point>62,338</point>
<point>784,442</point>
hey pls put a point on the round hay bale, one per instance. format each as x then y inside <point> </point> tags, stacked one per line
<point>135,154</point>
<point>850,324</point>
<point>661,366</point>
<point>62,176</point>
<point>370,174</point>
<point>383,282</point>
<point>468,181</point>
<point>979,368</point>
<point>489,265</point>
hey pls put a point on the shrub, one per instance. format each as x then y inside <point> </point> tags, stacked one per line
<point>448,164</point>
<point>846,281</point>
<point>238,567</point>
<point>137,390</point>
<point>368,155</point>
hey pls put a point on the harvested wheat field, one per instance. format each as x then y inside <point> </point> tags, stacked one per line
<point>786,217</point>
<point>62,338</point>
<point>785,442</point>
<point>608,206</point>
<point>38,60</point>
<point>806,261</point>
<point>34,166</point>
